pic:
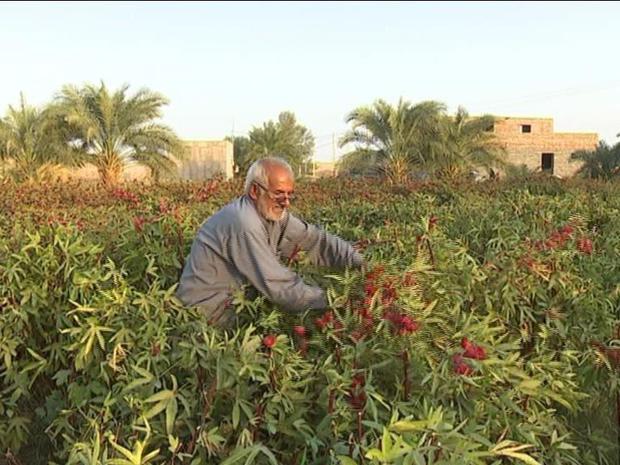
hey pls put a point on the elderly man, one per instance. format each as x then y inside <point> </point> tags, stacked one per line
<point>242,244</point>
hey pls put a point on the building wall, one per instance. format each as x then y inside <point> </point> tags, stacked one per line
<point>205,160</point>
<point>527,148</point>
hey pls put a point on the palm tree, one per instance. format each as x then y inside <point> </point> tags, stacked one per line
<point>392,140</point>
<point>113,129</point>
<point>30,140</point>
<point>601,163</point>
<point>285,138</point>
<point>465,143</point>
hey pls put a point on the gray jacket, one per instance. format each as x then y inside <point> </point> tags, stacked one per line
<point>237,246</point>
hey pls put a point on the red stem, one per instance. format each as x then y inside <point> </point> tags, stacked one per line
<point>330,404</point>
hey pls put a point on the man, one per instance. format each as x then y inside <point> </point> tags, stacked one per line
<point>243,242</point>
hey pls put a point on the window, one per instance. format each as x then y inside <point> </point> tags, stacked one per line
<point>526,128</point>
<point>546,162</point>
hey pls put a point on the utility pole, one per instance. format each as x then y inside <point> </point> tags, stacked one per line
<point>334,153</point>
<point>314,164</point>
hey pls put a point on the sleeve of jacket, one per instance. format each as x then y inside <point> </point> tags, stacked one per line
<point>255,260</point>
<point>323,248</point>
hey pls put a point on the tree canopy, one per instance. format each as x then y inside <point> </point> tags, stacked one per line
<point>396,141</point>
<point>114,128</point>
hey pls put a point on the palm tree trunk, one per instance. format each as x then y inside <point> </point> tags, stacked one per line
<point>110,169</point>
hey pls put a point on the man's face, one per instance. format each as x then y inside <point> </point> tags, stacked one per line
<point>273,199</point>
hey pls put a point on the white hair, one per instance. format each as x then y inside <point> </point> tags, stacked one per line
<point>259,171</point>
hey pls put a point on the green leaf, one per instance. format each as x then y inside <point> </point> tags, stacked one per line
<point>156,409</point>
<point>523,457</point>
<point>61,377</point>
<point>529,384</point>
<point>161,395</point>
<point>345,460</point>
<point>171,414</point>
<point>405,426</point>
<point>235,415</point>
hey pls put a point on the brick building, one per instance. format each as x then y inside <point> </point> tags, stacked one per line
<point>532,142</point>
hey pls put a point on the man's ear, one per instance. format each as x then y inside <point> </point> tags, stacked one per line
<point>253,192</point>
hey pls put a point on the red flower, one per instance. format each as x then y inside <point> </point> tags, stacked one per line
<point>460,366</point>
<point>358,380</point>
<point>403,324</point>
<point>393,317</point>
<point>325,320</point>
<point>370,289</point>
<point>269,341</point>
<point>584,245</point>
<point>409,279</point>
<point>375,273</point>
<point>299,330</point>
<point>473,350</point>
<point>463,369</point>
<point>364,313</point>
<point>389,294</point>
<point>356,392</point>
<point>138,223</point>
<point>408,325</point>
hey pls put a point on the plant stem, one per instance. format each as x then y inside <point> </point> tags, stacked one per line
<point>406,386</point>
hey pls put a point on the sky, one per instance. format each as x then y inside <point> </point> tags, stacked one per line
<point>227,67</point>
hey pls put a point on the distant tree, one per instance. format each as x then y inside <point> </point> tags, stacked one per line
<point>112,129</point>
<point>30,140</point>
<point>465,144</point>
<point>285,138</point>
<point>399,140</point>
<point>601,163</point>
<point>392,140</point>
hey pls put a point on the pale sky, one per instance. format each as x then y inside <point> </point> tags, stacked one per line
<point>227,67</point>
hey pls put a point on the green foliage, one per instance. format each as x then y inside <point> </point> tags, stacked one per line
<point>285,138</point>
<point>112,129</point>
<point>398,141</point>
<point>241,151</point>
<point>30,140</point>
<point>600,163</point>
<point>99,364</point>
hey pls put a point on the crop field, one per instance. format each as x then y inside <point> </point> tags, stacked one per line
<point>484,330</point>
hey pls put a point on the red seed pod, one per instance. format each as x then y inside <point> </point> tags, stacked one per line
<point>269,341</point>
<point>584,245</point>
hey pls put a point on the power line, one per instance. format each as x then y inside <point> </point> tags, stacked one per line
<point>539,97</point>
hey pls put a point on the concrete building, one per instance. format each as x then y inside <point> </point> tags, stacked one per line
<point>205,159</point>
<point>533,143</point>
